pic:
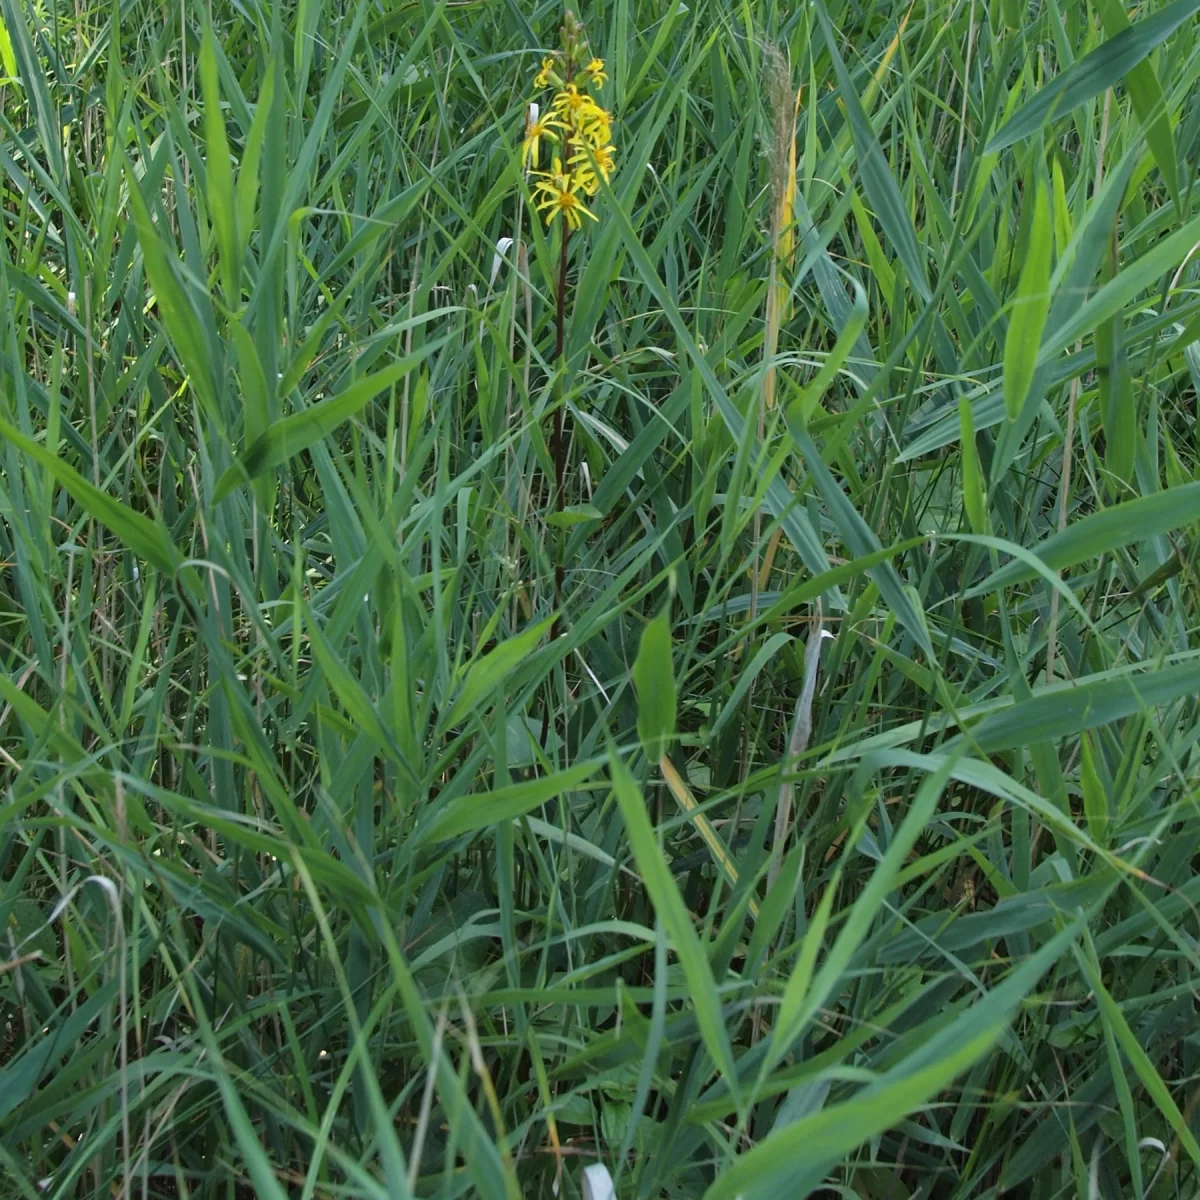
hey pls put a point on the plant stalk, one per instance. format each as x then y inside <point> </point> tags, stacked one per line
<point>558,446</point>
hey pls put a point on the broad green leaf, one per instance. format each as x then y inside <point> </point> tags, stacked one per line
<point>1030,305</point>
<point>669,906</point>
<point>296,433</point>
<point>469,814</point>
<point>183,324</point>
<point>1102,532</point>
<point>1064,710</point>
<point>219,174</point>
<point>1063,224</point>
<point>575,514</point>
<point>256,405</point>
<point>780,898</point>
<point>1104,67</point>
<point>248,168</point>
<point>1096,807</point>
<point>145,537</point>
<point>7,59</point>
<point>654,681</point>
<point>1114,389</point>
<point>974,491</point>
<point>490,670</point>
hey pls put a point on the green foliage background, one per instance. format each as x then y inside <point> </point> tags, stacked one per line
<point>332,865</point>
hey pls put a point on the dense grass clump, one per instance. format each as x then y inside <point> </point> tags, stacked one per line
<point>713,698</point>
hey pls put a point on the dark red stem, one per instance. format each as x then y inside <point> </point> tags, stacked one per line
<point>559,448</point>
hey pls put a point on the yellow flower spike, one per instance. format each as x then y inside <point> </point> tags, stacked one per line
<point>557,194</point>
<point>596,73</point>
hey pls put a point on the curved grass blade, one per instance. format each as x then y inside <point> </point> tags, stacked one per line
<point>792,1160</point>
<point>1104,67</point>
<point>145,537</point>
<point>296,433</point>
<point>671,911</point>
<point>1121,525</point>
<point>1067,709</point>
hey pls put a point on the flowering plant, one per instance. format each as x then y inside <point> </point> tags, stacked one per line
<point>574,121</point>
<point>576,132</point>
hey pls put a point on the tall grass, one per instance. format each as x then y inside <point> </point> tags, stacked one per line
<point>342,855</point>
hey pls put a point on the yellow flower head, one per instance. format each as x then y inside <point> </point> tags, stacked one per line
<point>573,105</point>
<point>536,128</point>
<point>557,194</point>
<point>582,115</point>
<point>595,72</point>
<point>592,164</point>
<point>543,77</point>
<point>596,127</point>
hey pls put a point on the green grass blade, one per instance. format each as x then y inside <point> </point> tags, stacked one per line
<point>1103,532</point>
<point>1086,78</point>
<point>674,916</point>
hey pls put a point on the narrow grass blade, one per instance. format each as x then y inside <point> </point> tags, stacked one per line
<point>800,1000</point>
<point>1103,532</point>
<point>877,178</point>
<point>654,680</point>
<point>1029,306</point>
<point>671,911</point>
<point>469,814</point>
<point>792,1160</point>
<point>489,671</point>
<point>1144,1068</point>
<point>20,52</point>
<point>288,437</point>
<point>145,537</point>
<point>1149,102</point>
<point>1103,68</point>
<point>860,538</point>
<point>1065,710</point>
